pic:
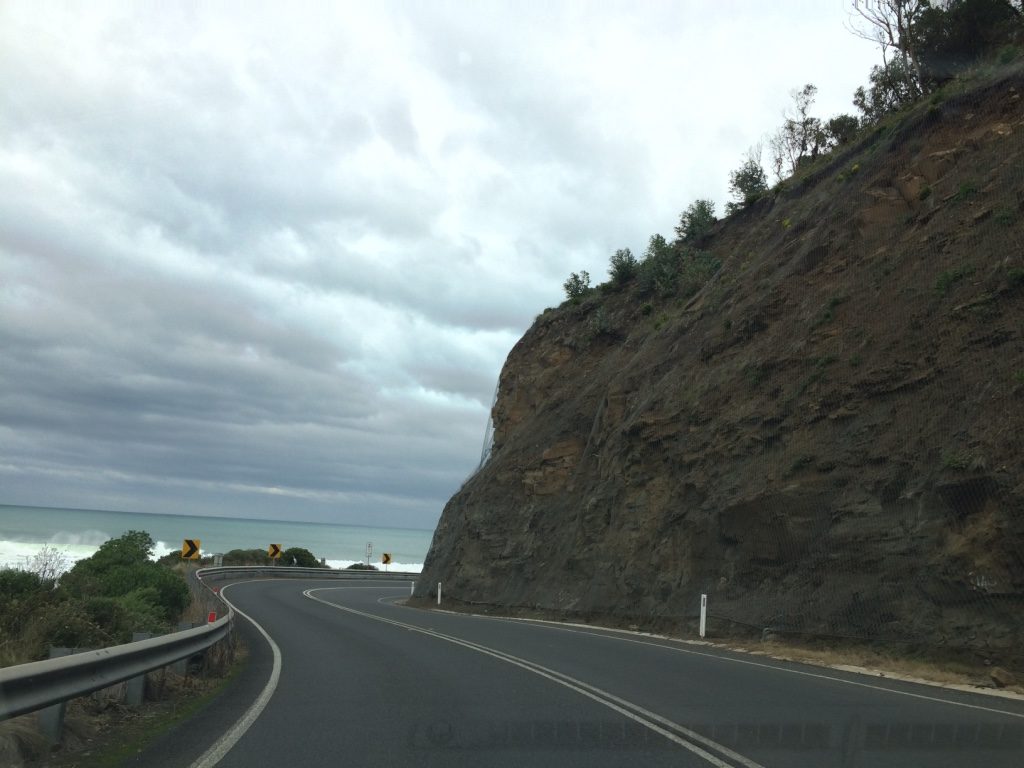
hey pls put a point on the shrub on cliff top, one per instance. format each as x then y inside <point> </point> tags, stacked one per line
<point>676,271</point>
<point>577,286</point>
<point>622,266</point>
<point>696,221</point>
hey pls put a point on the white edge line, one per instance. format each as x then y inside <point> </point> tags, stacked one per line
<point>223,745</point>
<point>641,716</point>
<point>578,629</point>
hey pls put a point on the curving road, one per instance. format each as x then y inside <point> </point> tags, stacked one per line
<point>341,675</point>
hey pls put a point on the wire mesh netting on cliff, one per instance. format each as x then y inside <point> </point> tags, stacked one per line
<point>485,452</point>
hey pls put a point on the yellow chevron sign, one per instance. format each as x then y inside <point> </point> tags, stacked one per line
<point>190,549</point>
<point>274,551</point>
<point>385,558</point>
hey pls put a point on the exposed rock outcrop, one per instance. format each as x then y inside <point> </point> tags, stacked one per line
<point>827,439</point>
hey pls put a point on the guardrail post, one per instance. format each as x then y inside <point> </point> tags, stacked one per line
<point>136,686</point>
<point>180,667</point>
<point>51,719</point>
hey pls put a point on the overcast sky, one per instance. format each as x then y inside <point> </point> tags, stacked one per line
<point>269,263</point>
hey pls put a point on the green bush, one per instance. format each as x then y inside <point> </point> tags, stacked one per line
<point>747,184</point>
<point>676,271</point>
<point>1005,216</point>
<point>22,593</point>
<point>622,266</point>
<point>577,286</point>
<point>1008,54</point>
<point>966,190</point>
<point>300,558</point>
<point>945,281</point>
<point>696,221</point>
<point>122,566</point>
<point>16,584</point>
<point>61,623</point>
<point>600,324</point>
<point>246,557</point>
<point>119,617</point>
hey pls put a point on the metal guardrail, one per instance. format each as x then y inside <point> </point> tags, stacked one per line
<point>29,687</point>
<point>269,571</point>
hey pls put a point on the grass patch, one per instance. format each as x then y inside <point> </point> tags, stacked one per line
<point>945,281</point>
<point>755,373</point>
<point>801,462</point>
<point>828,314</point>
<point>129,737</point>
<point>1005,216</point>
<point>1008,54</point>
<point>965,191</point>
<point>957,461</point>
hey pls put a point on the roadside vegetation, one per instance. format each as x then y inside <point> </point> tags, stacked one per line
<point>100,601</point>
<point>293,556</point>
<point>926,46</point>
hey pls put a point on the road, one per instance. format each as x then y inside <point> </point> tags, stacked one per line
<point>360,680</point>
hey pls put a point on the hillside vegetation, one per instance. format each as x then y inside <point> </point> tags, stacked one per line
<point>101,601</point>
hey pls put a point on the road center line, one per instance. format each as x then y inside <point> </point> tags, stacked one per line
<point>644,717</point>
<point>820,676</point>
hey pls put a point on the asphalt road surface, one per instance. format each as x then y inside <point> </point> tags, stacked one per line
<point>341,675</point>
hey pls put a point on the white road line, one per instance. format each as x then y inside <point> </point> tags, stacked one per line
<point>638,714</point>
<point>676,649</point>
<point>222,746</point>
<point>616,635</point>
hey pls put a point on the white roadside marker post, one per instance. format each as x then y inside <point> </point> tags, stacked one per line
<point>703,614</point>
<point>412,587</point>
<point>439,593</point>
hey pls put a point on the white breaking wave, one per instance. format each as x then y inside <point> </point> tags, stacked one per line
<point>90,538</point>
<point>399,567</point>
<point>19,554</point>
<point>72,547</point>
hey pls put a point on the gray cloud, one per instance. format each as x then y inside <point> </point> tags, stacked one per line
<point>271,264</point>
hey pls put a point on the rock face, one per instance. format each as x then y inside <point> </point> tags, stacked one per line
<point>827,439</point>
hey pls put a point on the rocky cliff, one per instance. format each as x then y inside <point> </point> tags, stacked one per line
<point>827,438</point>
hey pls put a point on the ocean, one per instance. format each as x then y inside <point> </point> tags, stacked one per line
<point>77,533</point>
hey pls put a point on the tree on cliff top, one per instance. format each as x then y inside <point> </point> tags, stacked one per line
<point>696,221</point>
<point>622,266</point>
<point>577,286</point>
<point>747,183</point>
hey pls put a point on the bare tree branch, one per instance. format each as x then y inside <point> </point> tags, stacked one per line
<point>890,24</point>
